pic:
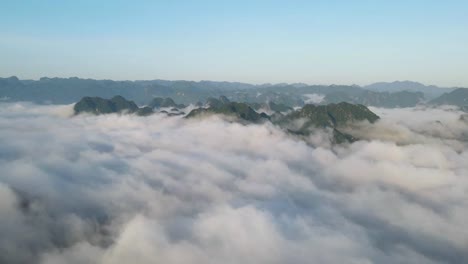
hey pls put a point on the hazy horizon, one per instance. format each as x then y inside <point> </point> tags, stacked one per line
<point>229,81</point>
<point>262,42</point>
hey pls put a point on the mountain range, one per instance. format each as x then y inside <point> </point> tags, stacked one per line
<point>300,122</point>
<point>70,90</point>
<point>458,97</point>
<point>429,91</point>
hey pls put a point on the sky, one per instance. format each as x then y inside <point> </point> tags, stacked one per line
<point>316,42</point>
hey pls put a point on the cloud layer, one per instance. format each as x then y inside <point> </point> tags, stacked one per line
<point>158,189</point>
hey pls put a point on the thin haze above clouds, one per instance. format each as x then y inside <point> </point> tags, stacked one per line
<point>128,189</point>
<point>315,42</point>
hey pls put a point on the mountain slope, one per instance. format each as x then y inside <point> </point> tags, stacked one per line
<point>239,110</point>
<point>159,102</point>
<point>117,104</point>
<point>458,97</point>
<point>429,91</point>
<point>334,116</point>
<point>379,99</point>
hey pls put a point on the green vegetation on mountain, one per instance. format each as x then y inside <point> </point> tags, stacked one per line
<point>216,103</point>
<point>239,110</point>
<point>340,137</point>
<point>300,122</point>
<point>334,116</point>
<point>95,105</point>
<point>117,104</point>
<point>159,102</point>
<point>145,111</point>
<point>271,106</point>
<point>121,104</point>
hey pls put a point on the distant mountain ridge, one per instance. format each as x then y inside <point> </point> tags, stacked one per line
<point>70,90</point>
<point>382,99</point>
<point>117,104</point>
<point>458,97</point>
<point>430,91</point>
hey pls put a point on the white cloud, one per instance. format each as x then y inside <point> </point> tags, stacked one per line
<point>314,98</point>
<point>158,189</point>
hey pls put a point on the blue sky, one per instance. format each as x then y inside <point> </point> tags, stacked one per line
<point>320,42</point>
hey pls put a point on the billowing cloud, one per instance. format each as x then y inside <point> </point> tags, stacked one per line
<point>158,189</point>
<point>314,98</point>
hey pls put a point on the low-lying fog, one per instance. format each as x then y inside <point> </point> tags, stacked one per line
<point>158,189</point>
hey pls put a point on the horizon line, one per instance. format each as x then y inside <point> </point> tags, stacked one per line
<point>240,82</point>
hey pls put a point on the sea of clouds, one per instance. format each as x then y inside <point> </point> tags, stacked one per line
<point>128,189</point>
